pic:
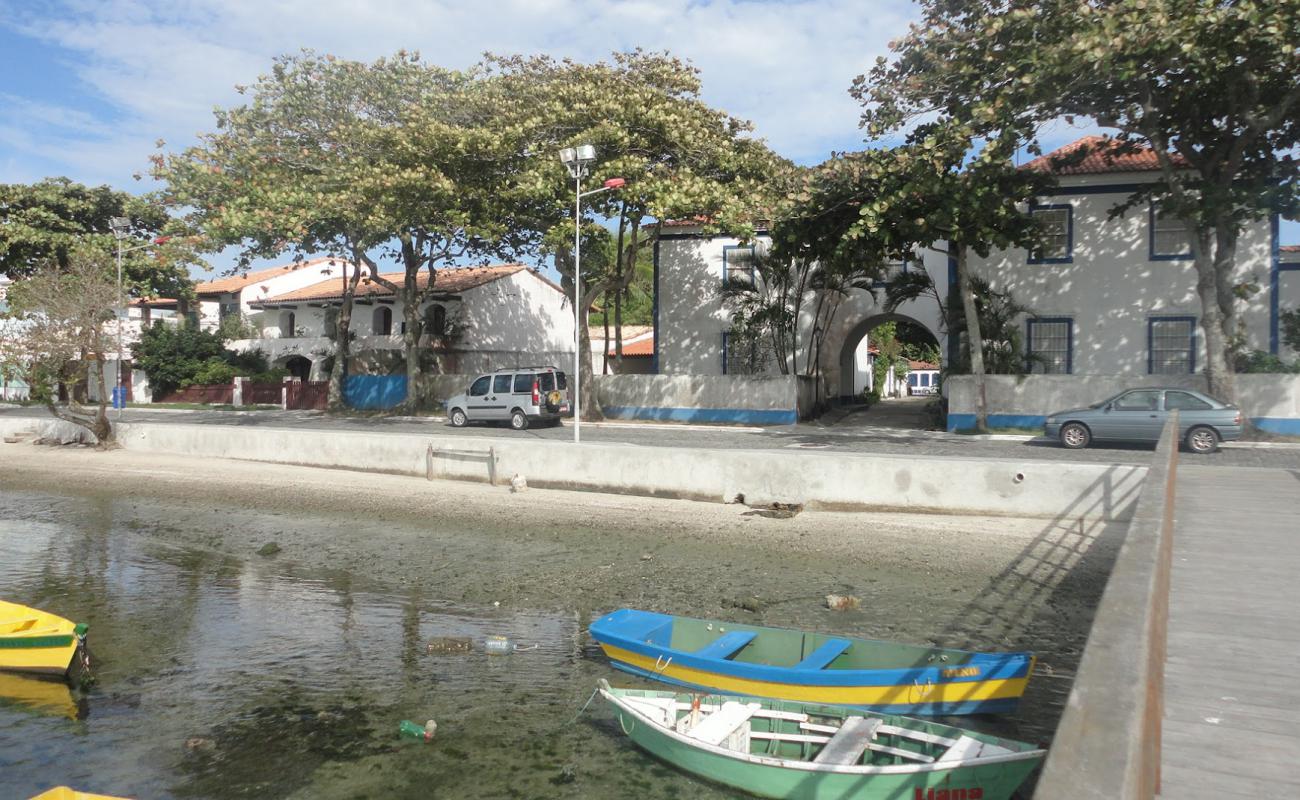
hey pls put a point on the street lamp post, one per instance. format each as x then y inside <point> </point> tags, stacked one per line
<point>577,159</point>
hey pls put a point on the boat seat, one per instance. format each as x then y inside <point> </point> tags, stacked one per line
<point>718,727</point>
<point>848,744</point>
<point>726,646</point>
<point>824,655</point>
<point>967,747</point>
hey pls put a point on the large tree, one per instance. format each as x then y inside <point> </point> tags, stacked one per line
<point>46,221</point>
<point>1209,86</point>
<point>642,111</point>
<point>57,334</point>
<point>391,161</point>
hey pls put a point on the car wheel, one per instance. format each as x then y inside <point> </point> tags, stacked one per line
<point>458,418</point>
<point>1075,435</point>
<point>518,420</point>
<point>1202,440</point>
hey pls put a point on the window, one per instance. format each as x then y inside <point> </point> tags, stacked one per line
<point>744,355</point>
<point>1051,346</point>
<point>1171,345</point>
<point>382,321</point>
<point>501,384</point>
<point>480,386</point>
<point>331,322</point>
<point>1171,236</point>
<point>1142,400</point>
<point>287,325</point>
<point>1057,223</point>
<point>524,383</point>
<point>1185,402</point>
<point>435,320</point>
<point>738,265</point>
<point>228,310</point>
<point>545,382</point>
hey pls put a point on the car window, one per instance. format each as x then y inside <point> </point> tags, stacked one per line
<point>561,381</point>
<point>480,386</point>
<point>501,384</point>
<point>1148,400</point>
<point>1185,401</point>
<point>524,383</point>
<point>546,381</point>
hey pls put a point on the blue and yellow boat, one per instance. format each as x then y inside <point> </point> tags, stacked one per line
<point>883,677</point>
<point>37,641</point>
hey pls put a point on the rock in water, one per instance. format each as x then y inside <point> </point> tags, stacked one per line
<point>518,484</point>
<point>842,602</point>
<point>268,549</point>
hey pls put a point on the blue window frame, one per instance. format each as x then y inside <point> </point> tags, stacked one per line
<point>1169,237</point>
<point>1171,345</point>
<point>1049,341</point>
<point>737,264</point>
<point>892,268</point>
<point>1057,246</point>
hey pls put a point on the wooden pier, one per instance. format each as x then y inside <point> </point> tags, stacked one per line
<point>1232,697</point>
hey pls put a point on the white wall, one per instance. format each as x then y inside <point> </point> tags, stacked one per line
<point>1112,287</point>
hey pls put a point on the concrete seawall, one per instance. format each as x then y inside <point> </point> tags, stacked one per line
<point>819,480</point>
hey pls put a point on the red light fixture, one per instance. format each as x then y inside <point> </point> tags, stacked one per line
<point>615,183</point>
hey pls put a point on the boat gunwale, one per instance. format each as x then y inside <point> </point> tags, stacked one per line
<point>809,766</point>
<point>992,666</point>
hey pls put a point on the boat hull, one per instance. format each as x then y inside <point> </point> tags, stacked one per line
<point>651,646</point>
<point>37,642</point>
<point>775,778</point>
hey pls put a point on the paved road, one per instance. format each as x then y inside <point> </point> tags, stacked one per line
<point>847,434</point>
<point>1234,637</point>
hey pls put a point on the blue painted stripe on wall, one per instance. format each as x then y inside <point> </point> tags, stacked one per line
<point>737,415</point>
<point>1284,425</point>
<point>965,422</point>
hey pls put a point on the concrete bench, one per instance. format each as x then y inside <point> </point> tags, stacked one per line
<point>824,655</point>
<point>726,646</point>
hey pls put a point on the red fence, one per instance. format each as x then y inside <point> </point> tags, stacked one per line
<point>208,393</point>
<point>262,394</point>
<point>308,394</point>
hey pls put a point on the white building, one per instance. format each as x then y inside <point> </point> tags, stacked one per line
<point>477,319</point>
<point>1109,296</point>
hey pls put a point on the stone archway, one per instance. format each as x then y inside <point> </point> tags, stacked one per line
<point>854,361</point>
<point>299,367</point>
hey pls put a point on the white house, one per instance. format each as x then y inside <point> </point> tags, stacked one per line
<point>638,350</point>
<point>1109,296</point>
<point>477,319</point>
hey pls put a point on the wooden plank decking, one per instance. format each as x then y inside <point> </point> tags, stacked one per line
<point>1232,697</point>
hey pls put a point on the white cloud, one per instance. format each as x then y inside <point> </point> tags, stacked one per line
<point>163,66</point>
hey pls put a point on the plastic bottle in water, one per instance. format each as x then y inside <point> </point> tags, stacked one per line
<point>496,645</point>
<point>412,730</point>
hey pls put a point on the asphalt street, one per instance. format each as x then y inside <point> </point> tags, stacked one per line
<point>853,433</point>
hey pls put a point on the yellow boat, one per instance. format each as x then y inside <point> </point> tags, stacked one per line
<point>35,641</point>
<point>39,695</point>
<point>64,793</point>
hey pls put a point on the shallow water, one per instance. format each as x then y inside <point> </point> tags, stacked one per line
<point>225,677</point>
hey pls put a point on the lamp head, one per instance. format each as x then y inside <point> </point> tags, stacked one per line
<point>615,183</point>
<point>120,226</point>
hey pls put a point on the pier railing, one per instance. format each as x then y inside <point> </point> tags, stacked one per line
<point>1107,746</point>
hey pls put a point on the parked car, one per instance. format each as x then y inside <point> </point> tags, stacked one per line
<point>521,396</point>
<point>1138,415</point>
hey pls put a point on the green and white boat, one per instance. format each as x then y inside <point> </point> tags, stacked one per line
<point>801,751</point>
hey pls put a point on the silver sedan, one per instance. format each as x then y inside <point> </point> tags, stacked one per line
<point>1138,415</point>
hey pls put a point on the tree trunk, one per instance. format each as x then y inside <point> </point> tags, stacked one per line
<point>974,339</point>
<point>1218,373</point>
<point>604,350</point>
<point>618,329</point>
<point>590,403</point>
<point>342,333</point>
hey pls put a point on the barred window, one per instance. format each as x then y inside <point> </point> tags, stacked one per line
<point>1171,236</point>
<point>1050,346</point>
<point>744,354</point>
<point>738,265</point>
<point>1172,344</point>
<point>1057,232</point>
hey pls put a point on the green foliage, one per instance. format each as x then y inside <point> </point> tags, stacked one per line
<point>1000,318</point>
<point>48,220</point>
<point>1262,361</point>
<point>237,326</point>
<point>176,356</point>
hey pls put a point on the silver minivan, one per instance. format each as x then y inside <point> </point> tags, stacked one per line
<point>520,396</point>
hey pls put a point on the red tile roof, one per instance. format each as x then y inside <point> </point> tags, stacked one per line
<point>643,347</point>
<point>1104,155</point>
<point>917,365</point>
<point>1290,248</point>
<point>445,281</point>
<point>152,302</point>
<point>234,283</point>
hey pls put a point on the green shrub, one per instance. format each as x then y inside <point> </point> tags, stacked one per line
<point>213,371</point>
<point>276,375</point>
<point>1260,361</point>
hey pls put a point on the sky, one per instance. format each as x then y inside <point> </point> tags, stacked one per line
<point>88,87</point>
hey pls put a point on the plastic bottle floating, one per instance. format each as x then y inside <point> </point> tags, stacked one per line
<point>413,730</point>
